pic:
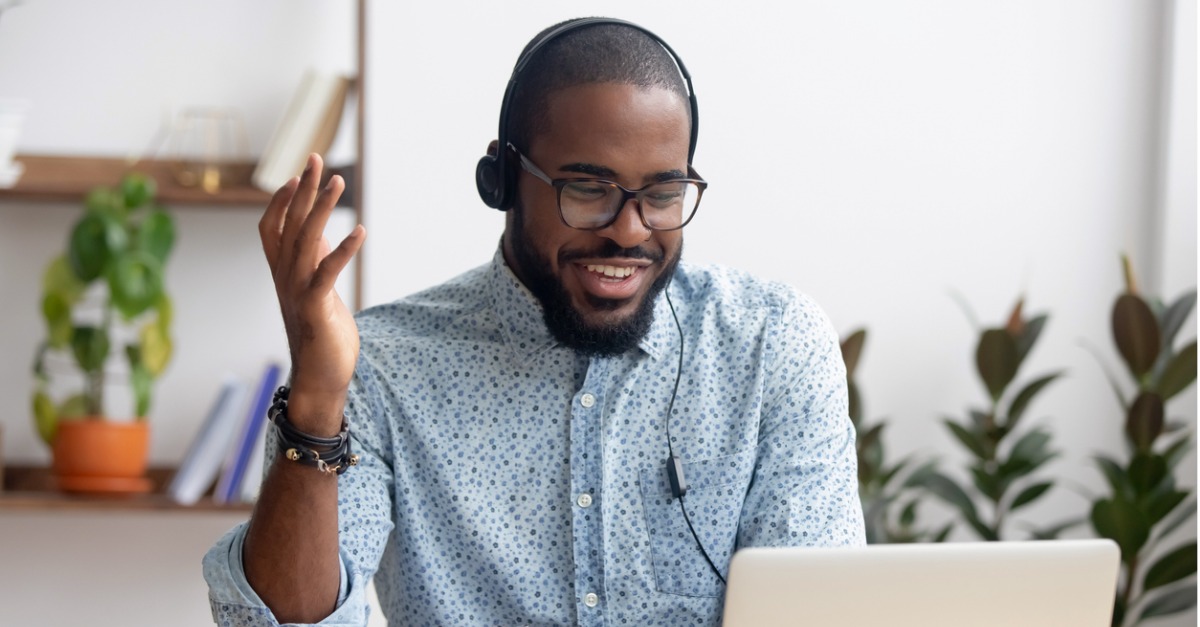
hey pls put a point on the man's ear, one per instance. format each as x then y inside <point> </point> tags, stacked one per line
<point>493,148</point>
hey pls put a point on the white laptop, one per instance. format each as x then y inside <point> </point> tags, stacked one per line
<point>1057,583</point>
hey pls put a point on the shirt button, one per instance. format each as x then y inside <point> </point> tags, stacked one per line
<point>590,599</point>
<point>584,499</point>
<point>587,400</point>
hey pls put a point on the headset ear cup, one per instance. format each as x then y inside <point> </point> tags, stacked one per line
<point>487,181</point>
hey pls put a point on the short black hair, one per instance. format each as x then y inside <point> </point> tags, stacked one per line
<point>599,53</point>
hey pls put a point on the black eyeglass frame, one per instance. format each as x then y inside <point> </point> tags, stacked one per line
<point>626,193</point>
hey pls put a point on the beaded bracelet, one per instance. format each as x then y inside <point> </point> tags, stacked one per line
<point>298,446</point>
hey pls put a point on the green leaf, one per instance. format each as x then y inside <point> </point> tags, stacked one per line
<point>854,404</point>
<point>1117,478</point>
<point>45,416</point>
<point>987,484</point>
<point>142,382</point>
<point>60,279</point>
<point>137,189</point>
<point>1173,602</point>
<point>1052,532</point>
<point>1160,504</point>
<point>997,361</point>
<point>1176,451</point>
<point>135,282</point>
<point>1144,422</point>
<point>1173,318</point>
<point>1032,448</point>
<point>852,349</point>
<point>918,476</point>
<point>1146,470</point>
<point>166,312</point>
<point>908,515</point>
<point>1136,332</point>
<point>156,235</point>
<point>57,313</point>
<point>94,241</point>
<point>949,491</point>
<point>1021,401</point>
<point>1030,494</point>
<point>1122,522</point>
<point>90,345</point>
<point>105,201</point>
<point>156,350</point>
<point>1180,515</point>
<point>943,534</point>
<point>1179,374</point>
<point>1108,375</point>
<point>1025,342</point>
<point>968,439</point>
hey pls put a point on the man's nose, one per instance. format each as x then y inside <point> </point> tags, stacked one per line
<point>627,231</point>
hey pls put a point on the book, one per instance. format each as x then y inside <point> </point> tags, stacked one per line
<point>309,124</point>
<point>255,467</point>
<point>230,483</point>
<point>206,454</point>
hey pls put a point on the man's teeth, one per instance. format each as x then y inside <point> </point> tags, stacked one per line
<point>612,271</point>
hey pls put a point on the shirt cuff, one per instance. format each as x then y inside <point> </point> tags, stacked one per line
<point>234,602</point>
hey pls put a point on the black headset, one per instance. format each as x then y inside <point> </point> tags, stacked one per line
<point>496,176</point>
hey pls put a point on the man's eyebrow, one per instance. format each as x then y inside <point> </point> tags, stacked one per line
<point>589,168</point>
<point>609,173</point>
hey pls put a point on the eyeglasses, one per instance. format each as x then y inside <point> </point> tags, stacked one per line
<point>594,204</point>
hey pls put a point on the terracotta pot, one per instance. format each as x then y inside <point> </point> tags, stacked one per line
<point>96,455</point>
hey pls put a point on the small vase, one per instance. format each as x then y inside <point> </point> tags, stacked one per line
<point>93,455</point>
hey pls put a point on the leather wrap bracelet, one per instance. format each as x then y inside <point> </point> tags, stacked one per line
<point>334,456</point>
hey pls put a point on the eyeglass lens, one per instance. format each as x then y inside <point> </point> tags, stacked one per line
<point>586,204</point>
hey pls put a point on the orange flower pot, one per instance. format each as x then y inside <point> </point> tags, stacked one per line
<point>93,455</point>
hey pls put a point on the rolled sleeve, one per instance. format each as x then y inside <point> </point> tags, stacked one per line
<point>235,604</point>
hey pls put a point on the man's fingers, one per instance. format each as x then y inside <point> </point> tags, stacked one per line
<point>300,206</point>
<point>333,263</point>
<point>308,252</point>
<point>270,227</point>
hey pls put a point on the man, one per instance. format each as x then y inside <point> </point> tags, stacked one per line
<point>580,432</point>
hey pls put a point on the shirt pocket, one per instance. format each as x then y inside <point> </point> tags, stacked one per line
<point>716,489</point>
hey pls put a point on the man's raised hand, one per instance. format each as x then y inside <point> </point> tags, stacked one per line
<point>322,336</point>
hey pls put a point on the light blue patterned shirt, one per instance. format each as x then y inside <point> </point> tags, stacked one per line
<point>507,480</point>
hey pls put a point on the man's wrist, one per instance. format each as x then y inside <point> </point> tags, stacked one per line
<point>318,414</point>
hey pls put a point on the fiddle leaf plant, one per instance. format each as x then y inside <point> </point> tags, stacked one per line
<point>1145,504</point>
<point>104,297</point>
<point>1004,457</point>
<point>881,485</point>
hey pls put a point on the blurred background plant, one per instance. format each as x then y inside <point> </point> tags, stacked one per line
<point>104,295</point>
<point>881,485</point>
<point>1145,504</point>
<point>1004,460</point>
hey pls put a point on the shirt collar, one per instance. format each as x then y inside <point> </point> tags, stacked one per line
<point>524,328</point>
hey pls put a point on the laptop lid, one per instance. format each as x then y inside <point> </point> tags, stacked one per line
<point>981,584</point>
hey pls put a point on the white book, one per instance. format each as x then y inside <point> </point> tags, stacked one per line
<point>254,468</point>
<point>308,125</point>
<point>206,455</point>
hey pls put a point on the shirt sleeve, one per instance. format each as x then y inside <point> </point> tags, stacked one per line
<point>364,521</point>
<point>805,486</point>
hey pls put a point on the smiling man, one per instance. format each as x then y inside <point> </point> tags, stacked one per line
<point>582,431</point>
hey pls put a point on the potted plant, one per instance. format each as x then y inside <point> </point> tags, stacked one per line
<point>108,320</point>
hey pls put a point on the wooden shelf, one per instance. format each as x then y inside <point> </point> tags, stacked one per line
<point>54,178</point>
<point>31,488</point>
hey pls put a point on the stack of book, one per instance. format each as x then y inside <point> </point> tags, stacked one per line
<point>230,445</point>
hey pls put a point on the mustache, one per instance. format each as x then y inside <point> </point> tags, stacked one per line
<point>610,250</point>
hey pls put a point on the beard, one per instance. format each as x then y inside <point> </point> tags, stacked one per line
<point>566,323</point>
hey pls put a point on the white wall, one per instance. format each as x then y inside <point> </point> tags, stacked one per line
<point>877,155</point>
<point>101,78</point>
